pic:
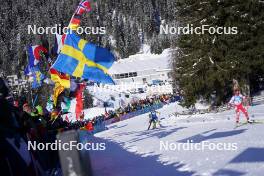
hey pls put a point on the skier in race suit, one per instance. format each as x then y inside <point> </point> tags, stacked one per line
<point>153,118</point>
<point>237,101</point>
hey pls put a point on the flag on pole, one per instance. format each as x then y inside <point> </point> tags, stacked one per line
<point>75,22</point>
<point>61,78</point>
<point>79,101</point>
<point>86,60</point>
<point>84,6</point>
<point>59,41</point>
<point>75,105</point>
<point>34,54</point>
<point>72,105</point>
<point>58,89</point>
<point>38,78</point>
<point>65,105</point>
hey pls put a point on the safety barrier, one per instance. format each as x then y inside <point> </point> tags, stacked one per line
<point>99,126</point>
<point>133,114</point>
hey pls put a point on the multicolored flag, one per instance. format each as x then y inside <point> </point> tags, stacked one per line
<point>35,76</point>
<point>34,54</point>
<point>59,41</point>
<point>75,22</point>
<point>65,105</point>
<point>79,101</point>
<point>57,90</point>
<point>84,6</point>
<point>38,78</point>
<point>61,78</point>
<point>86,60</point>
<point>74,105</point>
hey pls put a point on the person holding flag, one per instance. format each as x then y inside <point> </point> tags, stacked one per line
<point>60,74</point>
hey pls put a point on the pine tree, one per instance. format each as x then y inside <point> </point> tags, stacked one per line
<point>207,63</point>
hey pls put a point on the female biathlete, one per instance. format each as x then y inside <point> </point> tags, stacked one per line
<point>237,101</point>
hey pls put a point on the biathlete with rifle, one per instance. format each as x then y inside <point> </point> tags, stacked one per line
<point>153,118</point>
<point>237,102</point>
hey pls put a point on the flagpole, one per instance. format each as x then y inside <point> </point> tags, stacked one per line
<point>68,27</point>
<point>71,20</point>
<point>31,94</point>
<point>35,99</point>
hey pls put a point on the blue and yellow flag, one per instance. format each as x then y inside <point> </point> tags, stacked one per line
<point>38,78</point>
<point>86,60</point>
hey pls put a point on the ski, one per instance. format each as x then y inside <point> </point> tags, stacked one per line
<point>258,121</point>
<point>240,124</point>
<point>251,123</point>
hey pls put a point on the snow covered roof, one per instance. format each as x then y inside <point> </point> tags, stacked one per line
<point>140,62</point>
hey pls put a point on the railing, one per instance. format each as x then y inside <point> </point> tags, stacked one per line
<point>133,114</point>
<point>99,126</point>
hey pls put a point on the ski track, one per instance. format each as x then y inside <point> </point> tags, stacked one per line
<point>131,136</point>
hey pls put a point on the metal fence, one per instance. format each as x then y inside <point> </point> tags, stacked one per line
<point>101,126</point>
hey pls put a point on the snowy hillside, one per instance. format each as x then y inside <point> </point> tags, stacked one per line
<point>131,150</point>
<point>143,61</point>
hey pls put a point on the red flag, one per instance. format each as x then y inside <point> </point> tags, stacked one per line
<point>84,6</point>
<point>75,22</point>
<point>61,78</point>
<point>79,105</point>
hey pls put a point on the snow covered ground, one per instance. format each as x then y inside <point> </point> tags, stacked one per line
<point>131,150</point>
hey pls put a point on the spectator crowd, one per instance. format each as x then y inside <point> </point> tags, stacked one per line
<point>19,123</point>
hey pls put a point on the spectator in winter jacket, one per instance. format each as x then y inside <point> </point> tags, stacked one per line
<point>89,126</point>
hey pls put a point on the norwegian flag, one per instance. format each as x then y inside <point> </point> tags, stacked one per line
<point>84,6</point>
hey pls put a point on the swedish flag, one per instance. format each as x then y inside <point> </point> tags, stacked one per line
<point>86,60</point>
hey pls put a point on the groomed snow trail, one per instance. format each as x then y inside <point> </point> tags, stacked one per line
<point>132,150</point>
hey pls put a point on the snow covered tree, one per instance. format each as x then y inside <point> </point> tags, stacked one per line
<point>207,63</point>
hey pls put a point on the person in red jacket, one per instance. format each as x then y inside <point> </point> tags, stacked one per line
<point>89,126</point>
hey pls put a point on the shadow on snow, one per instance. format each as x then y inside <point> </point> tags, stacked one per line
<point>116,161</point>
<point>202,137</point>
